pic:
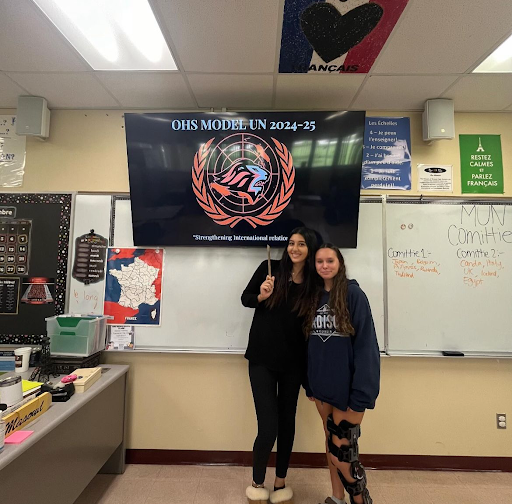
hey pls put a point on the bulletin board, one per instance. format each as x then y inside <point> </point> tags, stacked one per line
<point>34,239</point>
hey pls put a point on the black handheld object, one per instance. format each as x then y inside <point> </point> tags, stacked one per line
<point>452,353</point>
<point>61,394</point>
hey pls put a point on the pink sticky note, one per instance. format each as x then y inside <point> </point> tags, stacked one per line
<point>18,437</point>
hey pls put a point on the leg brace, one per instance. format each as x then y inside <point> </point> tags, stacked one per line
<point>349,454</point>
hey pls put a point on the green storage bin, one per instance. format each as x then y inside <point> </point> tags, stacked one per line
<point>76,335</point>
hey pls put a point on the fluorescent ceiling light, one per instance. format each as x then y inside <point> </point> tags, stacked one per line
<point>500,61</point>
<point>111,34</point>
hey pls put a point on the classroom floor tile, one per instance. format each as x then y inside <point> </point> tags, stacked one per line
<point>136,471</point>
<point>127,491</point>
<point>156,484</point>
<point>164,491</point>
<point>310,494</point>
<point>305,476</point>
<point>215,492</point>
<point>404,479</point>
<point>96,489</point>
<point>179,472</point>
<point>479,479</point>
<point>222,473</point>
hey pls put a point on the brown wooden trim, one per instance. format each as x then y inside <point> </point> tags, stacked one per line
<point>410,462</point>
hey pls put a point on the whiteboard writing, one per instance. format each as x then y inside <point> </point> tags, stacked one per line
<point>481,239</point>
<point>447,265</point>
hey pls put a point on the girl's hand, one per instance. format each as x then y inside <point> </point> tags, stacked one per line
<point>266,288</point>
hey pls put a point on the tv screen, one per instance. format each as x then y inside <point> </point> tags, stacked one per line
<point>244,178</point>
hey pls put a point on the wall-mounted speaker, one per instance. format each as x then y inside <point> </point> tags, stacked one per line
<point>33,117</point>
<point>438,120</point>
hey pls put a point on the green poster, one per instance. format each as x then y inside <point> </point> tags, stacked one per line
<point>481,165</point>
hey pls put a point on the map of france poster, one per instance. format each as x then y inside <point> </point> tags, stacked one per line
<point>133,286</point>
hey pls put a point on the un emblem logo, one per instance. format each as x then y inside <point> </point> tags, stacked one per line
<point>243,178</point>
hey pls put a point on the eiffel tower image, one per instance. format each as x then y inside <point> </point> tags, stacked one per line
<point>480,148</point>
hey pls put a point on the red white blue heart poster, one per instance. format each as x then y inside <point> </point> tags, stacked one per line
<point>335,36</point>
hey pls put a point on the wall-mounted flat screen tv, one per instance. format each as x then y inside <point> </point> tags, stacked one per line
<point>244,178</point>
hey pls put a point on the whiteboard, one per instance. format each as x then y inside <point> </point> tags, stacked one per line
<point>201,309</point>
<point>449,277</point>
<point>201,288</point>
<point>366,263</point>
<point>92,211</point>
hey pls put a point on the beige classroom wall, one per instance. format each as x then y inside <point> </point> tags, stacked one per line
<point>430,406</point>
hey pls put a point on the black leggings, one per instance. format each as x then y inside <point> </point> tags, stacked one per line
<point>275,399</point>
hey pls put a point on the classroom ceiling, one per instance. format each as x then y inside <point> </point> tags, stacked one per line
<point>227,52</point>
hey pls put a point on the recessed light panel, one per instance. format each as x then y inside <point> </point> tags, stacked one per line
<point>111,34</point>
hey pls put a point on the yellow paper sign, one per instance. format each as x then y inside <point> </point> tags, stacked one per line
<point>26,413</point>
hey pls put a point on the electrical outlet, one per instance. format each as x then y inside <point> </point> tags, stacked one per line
<point>501,420</point>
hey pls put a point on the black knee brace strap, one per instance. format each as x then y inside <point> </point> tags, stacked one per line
<point>344,430</point>
<point>358,487</point>
<point>344,453</point>
<point>358,473</point>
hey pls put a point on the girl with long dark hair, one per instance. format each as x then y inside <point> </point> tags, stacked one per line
<point>343,370</point>
<point>276,355</point>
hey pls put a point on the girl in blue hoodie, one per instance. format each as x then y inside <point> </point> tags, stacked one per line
<point>343,370</point>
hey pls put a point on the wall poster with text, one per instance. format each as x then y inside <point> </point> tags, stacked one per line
<point>387,153</point>
<point>481,164</point>
<point>12,153</point>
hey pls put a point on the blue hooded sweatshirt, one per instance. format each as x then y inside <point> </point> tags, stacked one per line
<point>344,370</point>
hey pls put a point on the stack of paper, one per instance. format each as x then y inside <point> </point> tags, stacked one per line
<point>30,387</point>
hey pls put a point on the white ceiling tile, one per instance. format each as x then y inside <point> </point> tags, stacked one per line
<point>31,43</point>
<point>401,92</point>
<point>148,90</point>
<point>232,91</point>
<point>73,90</point>
<point>223,41</point>
<point>9,92</point>
<point>308,92</point>
<point>481,92</point>
<point>440,36</point>
<point>223,35</point>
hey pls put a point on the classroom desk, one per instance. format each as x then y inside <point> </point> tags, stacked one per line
<point>72,442</point>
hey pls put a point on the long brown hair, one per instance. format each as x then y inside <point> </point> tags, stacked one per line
<point>284,273</point>
<point>337,298</point>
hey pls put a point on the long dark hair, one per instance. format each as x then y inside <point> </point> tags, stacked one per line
<point>337,298</point>
<point>284,273</point>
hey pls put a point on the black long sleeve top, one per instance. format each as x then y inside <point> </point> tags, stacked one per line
<point>276,338</point>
